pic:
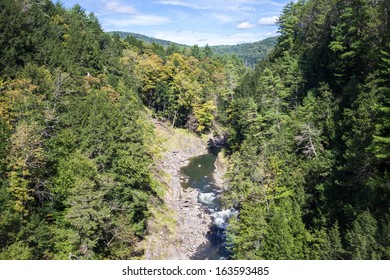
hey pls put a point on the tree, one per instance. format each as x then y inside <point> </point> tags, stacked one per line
<point>289,26</point>
<point>150,71</point>
<point>196,52</point>
<point>381,142</point>
<point>208,51</point>
<point>247,237</point>
<point>286,232</point>
<point>361,238</point>
<point>332,247</point>
<point>241,114</point>
<point>204,114</point>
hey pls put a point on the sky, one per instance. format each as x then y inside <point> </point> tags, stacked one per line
<point>189,22</point>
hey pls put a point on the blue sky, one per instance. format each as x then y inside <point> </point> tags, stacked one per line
<point>189,22</point>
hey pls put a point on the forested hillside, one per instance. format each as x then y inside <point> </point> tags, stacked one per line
<point>147,39</point>
<point>309,138</point>
<point>249,53</point>
<point>77,148</point>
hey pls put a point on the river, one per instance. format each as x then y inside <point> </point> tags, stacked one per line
<point>199,175</point>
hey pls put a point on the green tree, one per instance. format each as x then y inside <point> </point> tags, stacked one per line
<point>361,238</point>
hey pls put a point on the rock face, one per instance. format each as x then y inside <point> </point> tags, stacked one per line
<point>187,224</point>
<point>220,170</point>
<point>217,141</point>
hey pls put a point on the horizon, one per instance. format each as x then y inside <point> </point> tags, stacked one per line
<point>171,42</point>
<point>189,22</point>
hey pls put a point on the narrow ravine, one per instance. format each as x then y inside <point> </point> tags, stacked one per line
<point>199,174</point>
<point>179,226</point>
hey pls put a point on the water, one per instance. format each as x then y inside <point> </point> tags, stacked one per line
<point>199,174</point>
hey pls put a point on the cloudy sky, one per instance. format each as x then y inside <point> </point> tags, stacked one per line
<point>219,22</point>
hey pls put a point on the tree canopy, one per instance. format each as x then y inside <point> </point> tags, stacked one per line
<point>309,149</point>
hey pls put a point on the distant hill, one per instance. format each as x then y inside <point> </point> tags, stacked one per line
<point>250,53</point>
<point>147,39</point>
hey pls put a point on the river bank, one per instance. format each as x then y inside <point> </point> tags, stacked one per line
<point>180,226</point>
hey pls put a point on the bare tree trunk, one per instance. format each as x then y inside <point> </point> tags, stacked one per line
<point>150,98</point>
<point>174,118</point>
<point>312,146</point>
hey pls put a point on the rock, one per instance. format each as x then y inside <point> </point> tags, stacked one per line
<point>220,170</point>
<point>217,141</point>
<point>192,224</point>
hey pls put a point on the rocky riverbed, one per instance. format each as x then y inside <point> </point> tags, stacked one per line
<point>180,226</point>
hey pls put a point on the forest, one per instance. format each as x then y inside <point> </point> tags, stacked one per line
<point>249,53</point>
<point>78,149</point>
<point>307,129</point>
<point>309,138</point>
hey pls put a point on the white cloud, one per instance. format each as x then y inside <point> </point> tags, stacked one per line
<point>120,15</point>
<point>246,25</point>
<point>271,34</point>
<point>268,20</point>
<point>247,9</point>
<point>219,5</point>
<point>116,7</point>
<point>195,6</point>
<point>223,18</point>
<point>138,20</point>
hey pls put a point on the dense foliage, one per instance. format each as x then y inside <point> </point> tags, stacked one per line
<point>309,138</point>
<point>77,149</point>
<point>75,160</point>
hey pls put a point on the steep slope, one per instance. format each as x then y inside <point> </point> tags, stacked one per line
<point>309,138</point>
